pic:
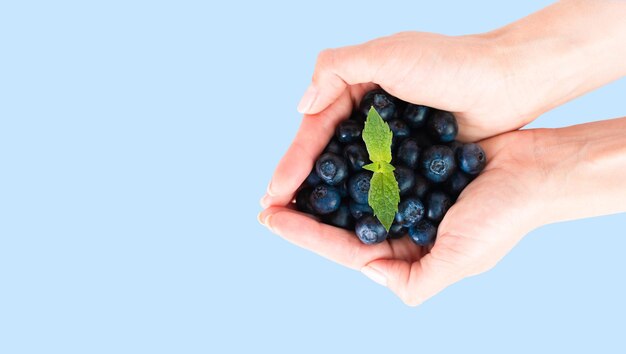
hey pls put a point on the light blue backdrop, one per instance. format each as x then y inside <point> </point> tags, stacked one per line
<point>135,141</point>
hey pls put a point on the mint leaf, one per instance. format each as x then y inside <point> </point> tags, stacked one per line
<point>377,137</point>
<point>384,194</point>
<point>379,167</point>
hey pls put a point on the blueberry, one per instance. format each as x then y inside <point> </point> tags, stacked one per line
<point>357,156</point>
<point>410,211</point>
<point>437,163</point>
<point>437,205</point>
<point>334,146</point>
<point>471,158</point>
<point>457,182</point>
<point>423,233</point>
<point>331,168</point>
<point>370,231</point>
<point>422,186</point>
<point>399,129</point>
<point>312,179</point>
<point>303,202</point>
<point>384,103</point>
<point>415,115</point>
<point>349,131</point>
<point>324,199</point>
<point>359,186</point>
<point>359,210</point>
<point>405,178</point>
<point>442,126</point>
<point>340,218</point>
<point>396,231</point>
<point>408,153</point>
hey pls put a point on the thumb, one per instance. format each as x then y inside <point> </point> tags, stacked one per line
<point>335,70</point>
<point>414,282</point>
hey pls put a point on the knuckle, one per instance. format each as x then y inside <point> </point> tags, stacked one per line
<point>326,57</point>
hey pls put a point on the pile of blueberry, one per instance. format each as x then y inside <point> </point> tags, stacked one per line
<point>431,169</point>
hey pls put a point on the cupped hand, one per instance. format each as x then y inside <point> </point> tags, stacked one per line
<point>491,215</point>
<point>471,76</point>
<point>465,75</point>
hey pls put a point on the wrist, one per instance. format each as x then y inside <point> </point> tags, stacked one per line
<point>583,170</point>
<point>560,53</point>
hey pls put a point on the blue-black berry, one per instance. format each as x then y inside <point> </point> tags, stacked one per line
<point>325,199</point>
<point>423,233</point>
<point>331,168</point>
<point>370,231</point>
<point>437,163</point>
<point>442,126</point>
<point>471,158</point>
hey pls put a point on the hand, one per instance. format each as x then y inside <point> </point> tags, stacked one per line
<point>494,82</point>
<point>533,177</point>
<point>490,216</point>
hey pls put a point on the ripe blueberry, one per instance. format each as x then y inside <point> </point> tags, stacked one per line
<point>359,210</point>
<point>349,131</point>
<point>399,129</point>
<point>384,103</point>
<point>331,168</point>
<point>415,115</point>
<point>357,156</point>
<point>324,199</point>
<point>437,163</point>
<point>410,211</point>
<point>408,153</point>
<point>423,233</point>
<point>442,126</point>
<point>359,186</point>
<point>471,158</point>
<point>437,204</point>
<point>370,231</point>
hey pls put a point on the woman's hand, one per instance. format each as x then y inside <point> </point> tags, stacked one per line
<point>490,216</point>
<point>494,82</point>
<point>533,177</point>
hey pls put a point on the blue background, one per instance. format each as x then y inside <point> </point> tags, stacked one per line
<point>135,141</point>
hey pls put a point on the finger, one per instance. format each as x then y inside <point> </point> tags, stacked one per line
<point>313,135</point>
<point>336,244</point>
<point>416,282</point>
<point>334,71</point>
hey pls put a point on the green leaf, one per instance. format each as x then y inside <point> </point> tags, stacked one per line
<point>377,137</point>
<point>382,167</point>
<point>384,196</point>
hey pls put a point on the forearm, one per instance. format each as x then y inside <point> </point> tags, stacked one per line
<point>584,170</point>
<point>562,52</point>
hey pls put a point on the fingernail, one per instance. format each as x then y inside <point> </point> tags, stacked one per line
<point>375,275</point>
<point>268,222</point>
<point>307,99</point>
<point>265,201</point>
<point>269,190</point>
<point>258,217</point>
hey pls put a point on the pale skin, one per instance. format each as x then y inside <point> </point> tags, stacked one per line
<point>495,83</point>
